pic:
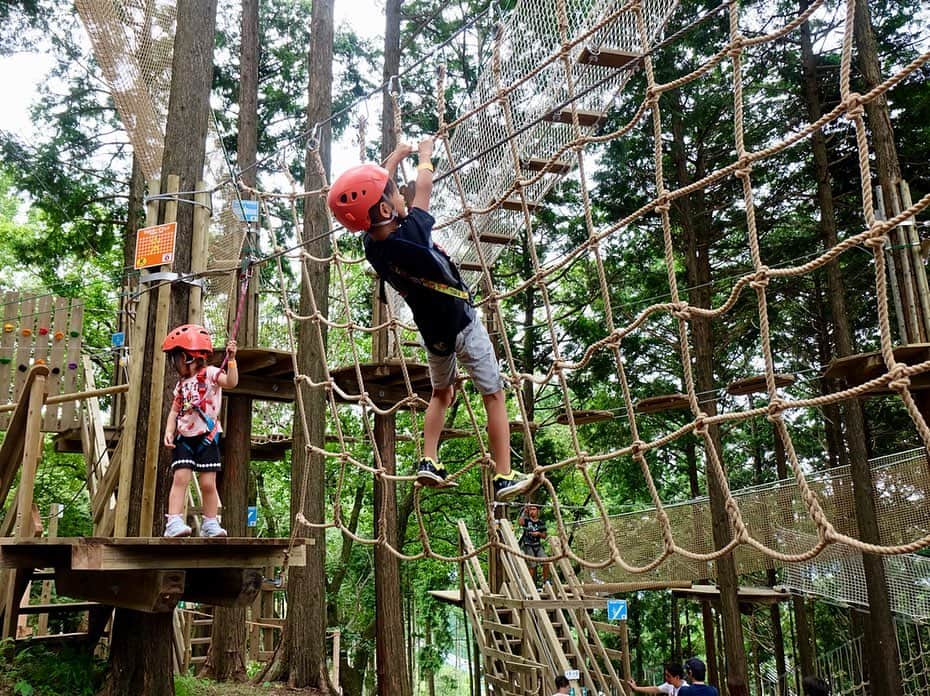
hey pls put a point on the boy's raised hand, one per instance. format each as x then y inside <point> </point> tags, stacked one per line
<point>402,150</point>
<point>425,149</point>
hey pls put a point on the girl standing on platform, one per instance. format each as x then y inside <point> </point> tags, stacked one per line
<point>193,429</point>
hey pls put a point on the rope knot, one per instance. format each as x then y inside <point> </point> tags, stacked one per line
<point>899,377</point>
<point>637,447</point>
<point>744,168</point>
<point>760,279</point>
<point>700,424</point>
<point>876,239</point>
<point>652,98</point>
<point>775,409</point>
<point>663,203</point>
<point>681,310</point>
<point>736,46</point>
<point>853,104</point>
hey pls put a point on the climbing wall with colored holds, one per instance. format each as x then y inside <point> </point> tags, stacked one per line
<point>41,329</point>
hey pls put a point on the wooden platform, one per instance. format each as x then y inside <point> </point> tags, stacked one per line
<point>858,369</point>
<point>145,553</point>
<point>264,373</point>
<point>608,57</point>
<point>756,383</point>
<point>537,164</point>
<point>581,416</point>
<point>586,119</point>
<point>665,402</point>
<point>745,595</point>
<point>384,382</point>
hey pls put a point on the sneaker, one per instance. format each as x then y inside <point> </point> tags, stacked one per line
<point>513,484</point>
<point>176,527</point>
<point>211,528</point>
<point>429,473</point>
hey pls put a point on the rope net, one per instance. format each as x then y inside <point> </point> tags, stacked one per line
<point>536,70</point>
<point>133,43</point>
<point>537,118</point>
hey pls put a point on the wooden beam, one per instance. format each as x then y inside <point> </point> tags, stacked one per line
<point>608,57</point>
<point>489,238</point>
<point>756,383</point>
<point>225,587</point>
<point>151,591</point>
<point>586,119</point>
<point>516,205</point>
<point>264,388</point>
<point>11,451</point>
<point>537,164</point>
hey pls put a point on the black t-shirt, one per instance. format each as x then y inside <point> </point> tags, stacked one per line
<point>531,525</point>
<point>407,258</point>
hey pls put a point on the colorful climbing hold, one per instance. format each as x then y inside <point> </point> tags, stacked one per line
<point>40,361</point>
<point>74,334</point>
<point>8,328</point>
<point>26,332</point>
<point>72,365</point>
<point>5,361</point>
<point>22,368</point>
<point>56,370</point>
<point>59,335</point>
<point>43,331</point>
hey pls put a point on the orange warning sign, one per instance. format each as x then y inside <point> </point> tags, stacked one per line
<point>155,245</point>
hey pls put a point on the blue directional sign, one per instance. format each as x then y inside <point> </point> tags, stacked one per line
<point>252,518</point>
<point>246,211</point>
<point>616,609</point>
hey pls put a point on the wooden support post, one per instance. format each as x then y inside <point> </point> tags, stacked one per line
<point>32,452</point>
<point>46,596</point>
<point>156,397</point>
<point>337,639</point>
<point>137,350</point>
<point>199,251</point>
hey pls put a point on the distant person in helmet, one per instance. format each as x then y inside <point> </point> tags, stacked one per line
<point>399,246</point>
<point>193,428</point>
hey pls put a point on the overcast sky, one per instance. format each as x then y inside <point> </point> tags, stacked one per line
<point>23,71</point>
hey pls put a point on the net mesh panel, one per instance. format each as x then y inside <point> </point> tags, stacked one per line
<point>133,43</point>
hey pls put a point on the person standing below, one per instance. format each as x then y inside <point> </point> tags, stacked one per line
<point>399,246</point>
<point>193,429</point>
<point>674,677</point>
<point>534,531</point>
<point>697,672</point>
<point>561,685</point>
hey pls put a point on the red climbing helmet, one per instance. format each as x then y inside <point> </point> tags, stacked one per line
<point>191,338</point>
<point>354,193</point>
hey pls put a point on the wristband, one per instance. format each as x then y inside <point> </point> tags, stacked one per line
<point>231,361</point>
<point>425,165</point>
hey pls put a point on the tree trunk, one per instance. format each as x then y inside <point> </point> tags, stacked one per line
<point>697,240</point>
<point>225,659</point>
<point>141,661</point>
<point>805,638</point>
<point>301,658</point>
<point>882,646</point>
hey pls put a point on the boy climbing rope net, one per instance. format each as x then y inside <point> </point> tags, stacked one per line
<point>399,246</point>
<point>193,429</point>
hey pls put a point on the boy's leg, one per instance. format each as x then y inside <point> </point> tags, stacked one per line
<point>434,420</point>
<point>495,405</point>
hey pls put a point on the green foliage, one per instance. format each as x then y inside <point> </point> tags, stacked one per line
<point>36,670</point>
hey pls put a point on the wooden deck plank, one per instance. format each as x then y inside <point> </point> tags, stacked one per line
<point>148,553</point>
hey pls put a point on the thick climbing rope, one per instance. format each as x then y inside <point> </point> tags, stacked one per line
<point>469,220</point>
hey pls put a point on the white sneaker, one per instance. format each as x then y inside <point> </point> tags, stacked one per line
<point>176,527</point>
<point>211,528</point>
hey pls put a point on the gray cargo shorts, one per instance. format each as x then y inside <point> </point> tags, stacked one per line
<point>474,348</point>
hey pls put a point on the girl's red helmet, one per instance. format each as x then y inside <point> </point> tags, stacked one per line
<point>354,193</point>
<point>191,338</point>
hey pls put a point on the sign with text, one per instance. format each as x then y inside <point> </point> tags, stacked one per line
<point>572,674</point>
<point>616,610</point>
<point>252,517</point>
<point>155,245</point>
